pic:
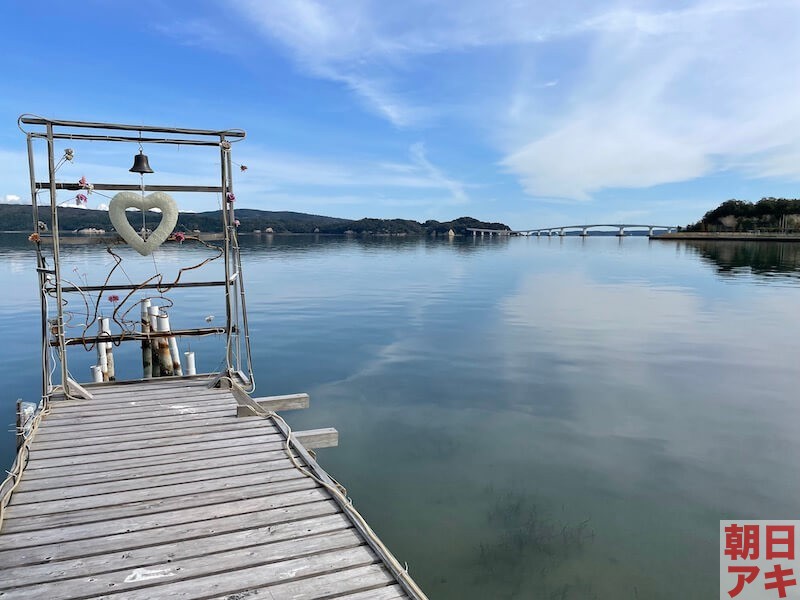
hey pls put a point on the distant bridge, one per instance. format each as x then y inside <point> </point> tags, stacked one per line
<point>562,230</point>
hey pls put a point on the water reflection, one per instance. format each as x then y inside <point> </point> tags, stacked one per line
<point>767,259</point>
<point>520,418</point>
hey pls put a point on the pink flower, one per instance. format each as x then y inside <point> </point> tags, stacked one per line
<point>113,298</point>
<point>231,197</point>
<point>83,183</point>
<point>80,199</point>
<point>236,222</point>
<point>180,236</point>
<point>243,168</point>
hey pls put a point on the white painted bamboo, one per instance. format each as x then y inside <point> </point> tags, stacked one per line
<point>102,360</point>
<point>97,374</point>
<point>190,366</point>
<point>173,351</point>
<point>164,356</point>
<point>105,327</point>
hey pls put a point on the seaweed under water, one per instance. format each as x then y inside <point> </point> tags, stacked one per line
<point>527,547</point>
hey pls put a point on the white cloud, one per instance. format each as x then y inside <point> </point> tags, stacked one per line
<point>576,96</point>
<point>12,199</point>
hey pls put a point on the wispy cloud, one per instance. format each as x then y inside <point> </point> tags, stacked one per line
<point>593,98</point>
<point>281,172</point>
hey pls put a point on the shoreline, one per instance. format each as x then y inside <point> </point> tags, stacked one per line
<point>728,237</point>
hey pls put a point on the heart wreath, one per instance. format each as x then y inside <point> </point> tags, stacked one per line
<point>125,200</point>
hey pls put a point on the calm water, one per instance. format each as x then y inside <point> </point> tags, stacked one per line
<point>523,418</point>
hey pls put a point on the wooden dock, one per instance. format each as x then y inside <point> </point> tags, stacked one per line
<point>159,490</point>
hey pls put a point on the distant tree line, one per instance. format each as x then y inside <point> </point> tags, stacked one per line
<point>738,215</point>
<point>18,218</point>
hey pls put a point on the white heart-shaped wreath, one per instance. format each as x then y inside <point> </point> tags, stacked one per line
<point>125,200</point>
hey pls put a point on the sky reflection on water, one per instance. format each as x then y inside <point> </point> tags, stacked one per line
<point>520,418</point>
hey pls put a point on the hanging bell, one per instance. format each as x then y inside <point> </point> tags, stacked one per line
<point>140,164</point>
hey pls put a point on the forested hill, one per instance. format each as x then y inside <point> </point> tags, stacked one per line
<point>739,215</point>
<point>15,217</point>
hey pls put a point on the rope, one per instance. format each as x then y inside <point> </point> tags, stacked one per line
<point>15,474</point>
<point>340,494</point>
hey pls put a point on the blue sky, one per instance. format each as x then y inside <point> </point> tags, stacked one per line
<point>532,113</point>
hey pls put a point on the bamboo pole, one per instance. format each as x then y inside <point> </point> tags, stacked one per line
<point>153,311</point>
<point>147,353</point>
<point>105,325</point>
<point>190,366</point>
<point>97,374</point>
<point>164,356</point>
<point>102,357</point>
<point>174,353</point>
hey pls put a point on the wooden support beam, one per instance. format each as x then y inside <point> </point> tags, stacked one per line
<point>76,390</point>
<point>327,437</point>
<point>287,402</point>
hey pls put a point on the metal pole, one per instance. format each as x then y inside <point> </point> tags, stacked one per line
<point>51,164</point>
<point>41,276</point>
<point>238,285</point>
<point>226,250</point>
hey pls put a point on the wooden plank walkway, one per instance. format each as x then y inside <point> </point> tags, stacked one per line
<point>158,490</point>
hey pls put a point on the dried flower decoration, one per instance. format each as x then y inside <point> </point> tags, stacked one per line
<point>243,168</point>
<point>80,199</point>
<point>179,236</point>
<point>113,298</point>
<point>231,197</point>
<point>236,222</point>
<point>69,154</point>
<point>34,237</point>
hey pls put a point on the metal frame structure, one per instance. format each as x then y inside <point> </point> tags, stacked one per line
<point>49,278</point>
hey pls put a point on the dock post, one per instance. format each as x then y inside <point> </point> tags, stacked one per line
<point>173,351</point>
<point>102,358</point>
<point>190,366</point>
<point>97,374</point>
<point>164,355</point>
<point>105,326</point>
<point>153,311</point>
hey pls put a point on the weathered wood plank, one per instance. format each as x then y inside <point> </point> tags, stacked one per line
<point>50,432</point>
<point>152,437</point>
<point>191,468</point>
<point>391,592</point>
<point>92,503</point>
<point>141,531</point>
<point>90,566</point>
<point>124,579</point>
<point>328,585</point>
<point>199,381</point>
<point>235,580</point>
<point>126,420</point>
<point>246,428</point>
<point>174,406</point>
<point>244,438</point>
<point>120,400</point>
<point>327,437</point>
<point>276,462</point>
<point>285,402</point>
<point>198,452</point>
<point>153,394</point>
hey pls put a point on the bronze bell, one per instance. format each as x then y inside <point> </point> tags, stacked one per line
<point>140,164</point>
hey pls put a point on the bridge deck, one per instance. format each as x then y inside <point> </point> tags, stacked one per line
<point>158,490</point>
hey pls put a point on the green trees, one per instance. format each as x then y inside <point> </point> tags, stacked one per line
<point>739,215</point>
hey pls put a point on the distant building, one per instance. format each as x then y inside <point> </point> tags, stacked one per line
<point>268,230</point>
<point>451,233</point>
